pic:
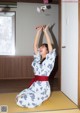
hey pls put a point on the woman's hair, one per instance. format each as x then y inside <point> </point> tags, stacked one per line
<point>46,45</point>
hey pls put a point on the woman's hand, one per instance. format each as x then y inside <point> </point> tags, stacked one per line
<point>39,28</point>
<point>45,28</point>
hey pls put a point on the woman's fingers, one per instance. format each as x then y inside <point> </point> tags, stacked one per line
<point>43,27</point>
<point>38,27</point>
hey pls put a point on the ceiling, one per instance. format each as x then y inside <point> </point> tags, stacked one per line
<point>31,1</point>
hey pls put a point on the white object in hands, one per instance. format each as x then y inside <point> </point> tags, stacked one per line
<point>38,9</point>
<point>42,8</point>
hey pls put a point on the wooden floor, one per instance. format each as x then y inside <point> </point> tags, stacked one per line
<point>57,101</point>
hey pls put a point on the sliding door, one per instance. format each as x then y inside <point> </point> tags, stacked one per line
<point>69,52</point>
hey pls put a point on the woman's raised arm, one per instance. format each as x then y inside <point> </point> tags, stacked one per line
<point>39,29</point>
<point>45,29</point>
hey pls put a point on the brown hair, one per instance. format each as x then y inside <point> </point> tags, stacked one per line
<point>46,45</point>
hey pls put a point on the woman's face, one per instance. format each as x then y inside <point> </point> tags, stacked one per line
<point>43,50</point>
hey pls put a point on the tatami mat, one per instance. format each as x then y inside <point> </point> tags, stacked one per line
<point>62,111</point>
<point>57,101</point>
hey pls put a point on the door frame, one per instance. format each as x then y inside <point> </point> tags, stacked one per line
<point>78,53</point>
<point>59,49</point>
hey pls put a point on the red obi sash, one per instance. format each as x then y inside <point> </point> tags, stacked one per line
<point>38,78</point>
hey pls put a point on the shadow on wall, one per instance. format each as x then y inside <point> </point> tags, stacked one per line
<point>55,69</point>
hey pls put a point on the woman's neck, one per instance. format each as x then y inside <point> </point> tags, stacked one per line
<point>43,56</point>
<point>42,59</point>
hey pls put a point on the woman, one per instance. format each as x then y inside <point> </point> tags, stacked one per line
<point>39,89</point>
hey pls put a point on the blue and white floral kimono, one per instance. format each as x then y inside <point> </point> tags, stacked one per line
<point>39,91</point>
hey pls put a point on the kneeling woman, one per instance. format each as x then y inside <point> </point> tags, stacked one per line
<point>43,63</point>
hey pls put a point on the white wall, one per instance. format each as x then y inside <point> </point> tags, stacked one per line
<point>69,76</point>
<point>27,19</point>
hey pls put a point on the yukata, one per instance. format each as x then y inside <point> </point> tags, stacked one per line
<point>39,91</point>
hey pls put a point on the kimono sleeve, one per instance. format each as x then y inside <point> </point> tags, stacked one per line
<point>50,59</point>
<point>36,61</point>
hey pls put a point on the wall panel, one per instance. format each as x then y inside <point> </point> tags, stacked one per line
<point>16,67</point>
